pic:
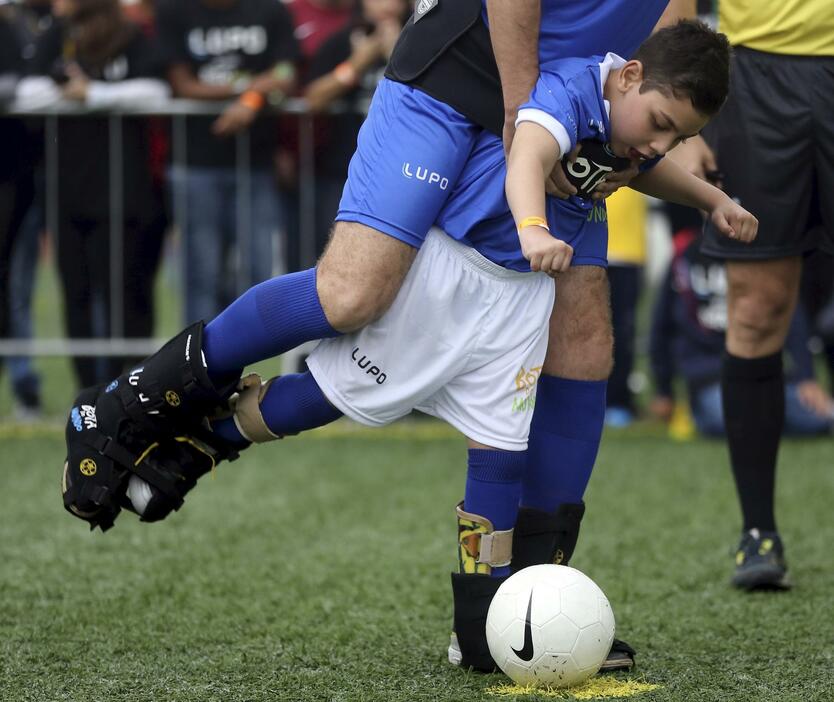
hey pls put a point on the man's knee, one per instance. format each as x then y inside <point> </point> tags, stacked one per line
<point>761,301</point>
<point>360,274</point>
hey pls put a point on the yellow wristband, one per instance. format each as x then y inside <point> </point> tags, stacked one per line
<point>533,221</point>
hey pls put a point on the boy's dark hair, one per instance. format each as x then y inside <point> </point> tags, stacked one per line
<point>688,59</point>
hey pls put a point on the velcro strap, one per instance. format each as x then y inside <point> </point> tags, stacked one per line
<point>247,407</point>
<point>496,548</point>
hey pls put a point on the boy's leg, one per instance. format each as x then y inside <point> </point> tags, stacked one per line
<point>485,527</point>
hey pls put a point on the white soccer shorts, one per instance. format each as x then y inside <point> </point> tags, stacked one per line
<point>464,341</point>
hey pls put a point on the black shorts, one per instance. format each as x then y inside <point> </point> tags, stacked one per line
<point>774,140</point>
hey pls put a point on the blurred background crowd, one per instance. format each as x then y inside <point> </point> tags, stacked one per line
<point>211,99</point>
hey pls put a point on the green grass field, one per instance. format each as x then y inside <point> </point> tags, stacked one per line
<point>317,569</point>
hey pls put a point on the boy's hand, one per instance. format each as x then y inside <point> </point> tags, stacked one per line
<point>733,221</point>
<point>545,252</point>
<point>616,180</point>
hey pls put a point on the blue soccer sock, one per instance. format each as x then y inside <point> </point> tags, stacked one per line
<point>267,320</point>
<point>493,488</point>
<point>564,441</point>
<point>292,404</point>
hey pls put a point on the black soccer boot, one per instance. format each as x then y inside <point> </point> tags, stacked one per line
<point>480,549</point>
<point>170,392</point>
<point>544,537</point>
<point>760,562</point>
<point>107,452</point>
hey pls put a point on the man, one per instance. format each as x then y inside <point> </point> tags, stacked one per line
<point>775,144</point>
<point>411,151</point>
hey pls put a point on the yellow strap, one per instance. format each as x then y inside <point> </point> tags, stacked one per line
<point>533,221</point>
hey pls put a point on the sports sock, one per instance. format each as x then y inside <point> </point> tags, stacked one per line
<point>292,404</point>
<point>753,396</point>
<point>564,441</point>
<point>267,320</point>
<point>493,486</point>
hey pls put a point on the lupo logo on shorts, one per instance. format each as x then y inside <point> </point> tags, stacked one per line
<point>425,175</point>
<point>365,363</point>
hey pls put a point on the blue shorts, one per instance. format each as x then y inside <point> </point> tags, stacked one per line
<point>410,152</point>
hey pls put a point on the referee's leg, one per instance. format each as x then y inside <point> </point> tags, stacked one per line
<point>761,299</point>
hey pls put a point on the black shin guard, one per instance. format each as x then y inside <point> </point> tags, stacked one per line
<point>472,595</point>
<point>545,537</point>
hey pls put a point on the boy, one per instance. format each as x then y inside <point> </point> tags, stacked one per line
<point>466,335</point>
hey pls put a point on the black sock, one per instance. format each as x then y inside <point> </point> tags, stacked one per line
<point>753,395</point>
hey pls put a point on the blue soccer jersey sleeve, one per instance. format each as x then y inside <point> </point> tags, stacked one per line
<point>567,100</point>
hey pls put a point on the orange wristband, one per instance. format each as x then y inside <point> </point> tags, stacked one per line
<point>252,99</point>
<point>533,221</point>
<point>346,74</point>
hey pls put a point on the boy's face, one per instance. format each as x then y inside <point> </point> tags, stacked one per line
<point>648,124</point>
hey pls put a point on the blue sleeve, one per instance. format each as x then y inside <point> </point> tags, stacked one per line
<point>553,106</point>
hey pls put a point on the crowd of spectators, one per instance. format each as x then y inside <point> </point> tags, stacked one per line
<point>235,187</point>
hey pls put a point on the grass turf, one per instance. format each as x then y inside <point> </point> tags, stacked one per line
<point>317,569</point>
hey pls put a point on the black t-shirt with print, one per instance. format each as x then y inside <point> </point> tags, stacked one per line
<point>223,44</point>
<point>335,153</point>
<point>84,142</point>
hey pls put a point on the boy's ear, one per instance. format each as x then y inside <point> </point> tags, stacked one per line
<point>631,74</point>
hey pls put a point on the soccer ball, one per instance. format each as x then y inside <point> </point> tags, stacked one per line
<point>549,626</point>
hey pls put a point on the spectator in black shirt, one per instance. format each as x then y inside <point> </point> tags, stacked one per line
<point>16,184</point>
<point>241,50</point>
<point>95,57</point>
<point>30,19</point>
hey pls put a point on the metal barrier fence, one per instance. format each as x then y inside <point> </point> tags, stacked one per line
<point>177,110</point>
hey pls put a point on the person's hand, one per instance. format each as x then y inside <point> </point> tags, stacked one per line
<point>76,87</point>
<point>366,50</point>
<point>387,33</point>
<point>235,118</point>
<point>695,156</point>
<point>662,407</point>
<point>733,221</point>
<point>545,252</point>
<point>815,399</point>
<point>557,183</point>
<point>616,180</point>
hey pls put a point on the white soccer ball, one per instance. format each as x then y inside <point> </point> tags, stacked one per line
<point>549,626</point>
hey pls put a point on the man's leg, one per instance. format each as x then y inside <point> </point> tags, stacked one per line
<point>567,427</point>
<point>202,240</point>
<point>355,282</point>
<point>760,304</point>
<point>570,405</point>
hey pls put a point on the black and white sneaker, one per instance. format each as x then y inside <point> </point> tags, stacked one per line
<point>760,562</point>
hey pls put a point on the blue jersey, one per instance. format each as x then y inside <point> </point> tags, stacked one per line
<point>588,27</point>
<point>567,101</point>
<point>412,149</point>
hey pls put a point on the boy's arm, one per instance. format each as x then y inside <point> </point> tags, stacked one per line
<point>532,157</point>
<point>668,181</point>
